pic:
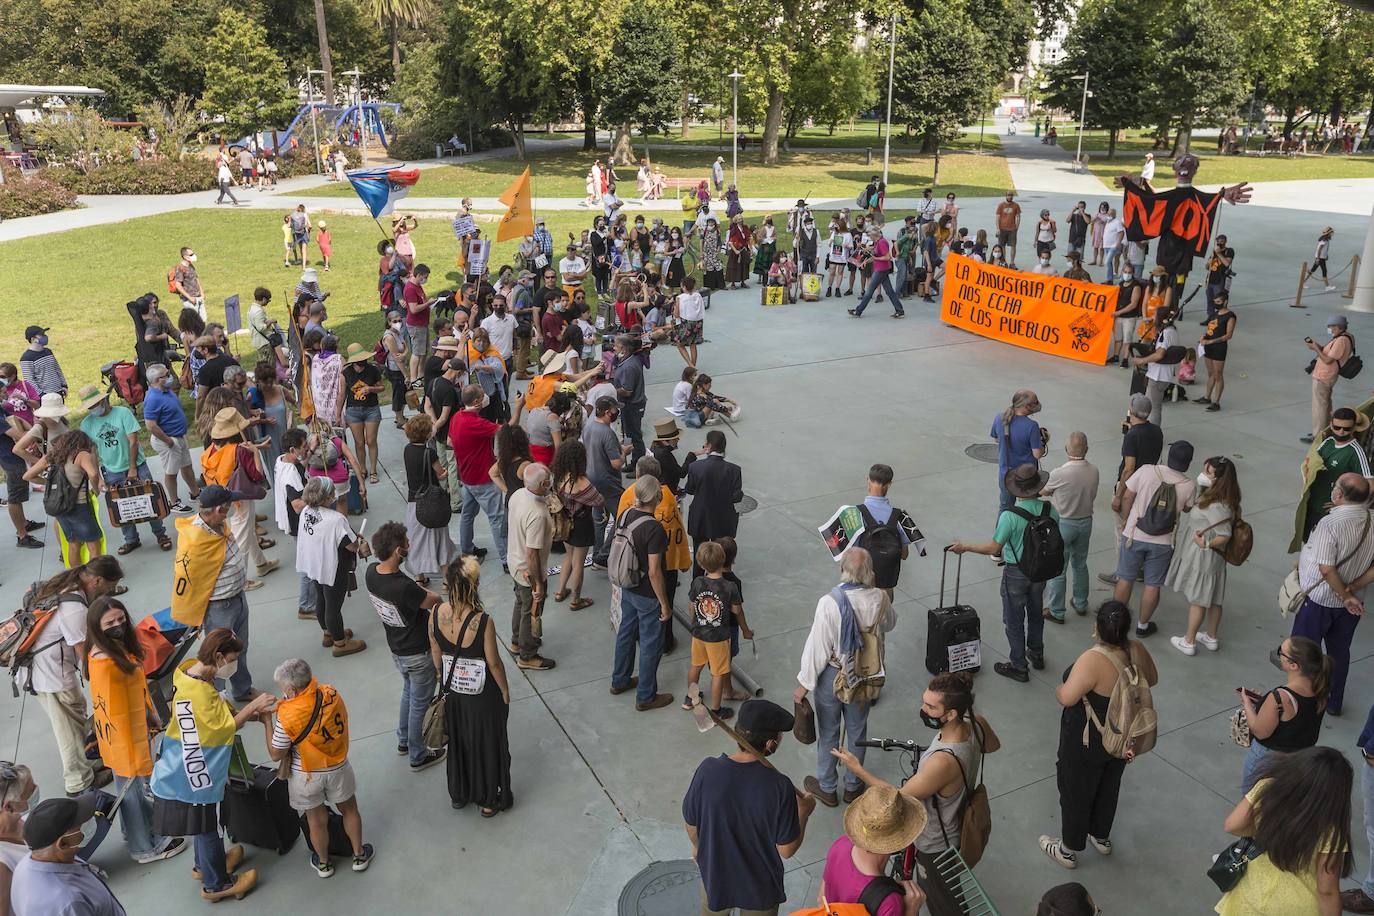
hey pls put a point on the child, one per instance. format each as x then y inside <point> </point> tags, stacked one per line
<point>287,248</point>
<point>731,549</point>
<point>1187,367</point>
<point>787,269</point>
<point>289,479</point>
<point>702,405</point>
<point>716,603</point>
<point>682,391</point>
<point>325,240</point>
<point>1319,258</point>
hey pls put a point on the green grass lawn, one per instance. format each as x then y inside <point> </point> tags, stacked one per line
<point>562,173</point>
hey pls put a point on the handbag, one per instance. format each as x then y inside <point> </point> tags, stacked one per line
<point>1229,867</point>
<point>432,506</point>
<point>562,520</point>
<point>434,726</point>
<point>1291,593</point>
<point>240,482</point>
<point>1240,728</point>
<point>804,722</point>
<point>284,765</point>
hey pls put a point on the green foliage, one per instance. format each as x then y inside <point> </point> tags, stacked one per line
<point>639,85</point>
<point>176,123</point>
<point>81,136</point>
<point>944,74</point>
<point>354,41</point>
<point>1009,26</point>
<point>246,84</point>
<point>494,79</point>
<point>1196,74</point>
<point>162,176</point>
<point>833,86</point>
<point>20,196</point>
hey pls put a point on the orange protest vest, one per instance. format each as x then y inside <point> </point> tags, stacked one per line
<point>120,702</point>
<point>218,462</point>
<point>327,744</point>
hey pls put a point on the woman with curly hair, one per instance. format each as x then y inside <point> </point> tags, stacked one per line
<point>579,498</point>
<point>472,675</point>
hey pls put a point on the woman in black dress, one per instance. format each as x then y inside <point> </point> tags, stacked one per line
<point>676,248</point>
<point>463,645</point>
<point>579,498</point>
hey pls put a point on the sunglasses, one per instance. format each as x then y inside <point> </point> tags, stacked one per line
<point>1341,429</point>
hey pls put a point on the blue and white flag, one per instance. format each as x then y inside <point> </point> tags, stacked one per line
<point>380,188</point>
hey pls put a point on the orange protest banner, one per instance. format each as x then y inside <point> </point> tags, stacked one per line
<point>519,218</point>
<point>1069,318</point>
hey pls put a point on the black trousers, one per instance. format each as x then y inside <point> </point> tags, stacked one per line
<point>1089,784</point>
<point>939,900</point>
<point>329,601</point>
<point>398,392</point>
<point>601,273</point>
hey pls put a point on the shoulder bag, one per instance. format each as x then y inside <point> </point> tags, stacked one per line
<point>239,480</point>
<point>434,726</point>
<point>432,506</point>
<point>1229,867</point>
<point>975,815</point>
<point>284,765</point>
<point>1292,594</point>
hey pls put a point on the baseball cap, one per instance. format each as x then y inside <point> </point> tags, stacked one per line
<point>1180,455</point>
<point>215,495</point>
<point>763,717</point>
<point>33,331</point>
<point>54,818</point>
<point>456,364</point>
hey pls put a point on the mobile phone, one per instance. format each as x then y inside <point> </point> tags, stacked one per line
<point>1307,340</point>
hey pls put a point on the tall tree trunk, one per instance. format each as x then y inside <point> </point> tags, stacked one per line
<point>326,64</point>
<point>517,135</point>
<point>623,153</point>
<point>772,124</point>
<point>1289,114</point>
<point>395,47</point>
<point>584,95</point>
<point>1161,134</point>
<point>1336,109</point>
<point>1111,143</point>
<point>1369,123</point>
<point>1181,140</point>
<point>685,132</point>
<point>930,144</point>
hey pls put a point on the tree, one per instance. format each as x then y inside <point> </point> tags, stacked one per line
<point>943,73</point>
<point>830,87</point>
<point>1197,76</point>
<point>326,62</point>
<point>245,80</point>
<point>571,55</point>
<point>494,78</point>
<point>1116,88</point>
<point>640,87</point>
<point>391,15</point>
<point>176,122</point>
<point>1008,26</point>
<point>78,135</point>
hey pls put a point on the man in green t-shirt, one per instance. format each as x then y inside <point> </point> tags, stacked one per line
<point>1339,454</point>
<point>114,430</point>
<point>1022,599</point>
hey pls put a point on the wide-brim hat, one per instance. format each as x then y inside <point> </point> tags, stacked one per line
<point>446,343</point>
<point>229,422</point>
<point>51,407</point>
<point>553,361</point>
<point>667,430</point>
<point>356,353</point>
<point>1025,481</point>
<point>883,820</point>
<point>91,395</point>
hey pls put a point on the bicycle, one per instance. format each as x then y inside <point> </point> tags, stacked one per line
<point>903,864</point>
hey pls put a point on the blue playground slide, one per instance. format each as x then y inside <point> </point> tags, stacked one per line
<point>330,120</point>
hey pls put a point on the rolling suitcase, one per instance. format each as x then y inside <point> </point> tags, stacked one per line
<point>135,501</point>
<point>953,634</point>
<point>357,503</point>
<point>256,808</point>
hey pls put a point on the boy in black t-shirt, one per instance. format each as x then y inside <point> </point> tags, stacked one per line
<point>715,604</point>
<point>731,549</point>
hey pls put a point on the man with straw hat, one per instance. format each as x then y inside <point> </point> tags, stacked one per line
<point>880,823</point>
<point>114,430</point>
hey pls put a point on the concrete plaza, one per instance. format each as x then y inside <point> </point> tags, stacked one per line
<point>599,785</point>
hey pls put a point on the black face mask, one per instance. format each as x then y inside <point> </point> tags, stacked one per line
<point>930,721</point>
<point>117,631</point>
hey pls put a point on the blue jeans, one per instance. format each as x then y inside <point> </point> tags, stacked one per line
<point>604,521</point>
<point>232,614</point>
<point>306,601</point>
<point>1367,785</point>
<point>135,816</point>
<point>1111,254</point>
<point>1004,498</point>
<point>1075,532</point>
<point>489,499</point>
<point>130,532</point>
<point>1332,628</point>
<point>1254,759</point>
<point>417,689</point>
<point>638,623</point>
<point>209,852</point>
<point>1022,601</point>
<point>899,275</point>
<point>829,713</point>
<point>883,280</point>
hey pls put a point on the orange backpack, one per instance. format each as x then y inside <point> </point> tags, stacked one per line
<point>875,893</point>
<point>172,280</point>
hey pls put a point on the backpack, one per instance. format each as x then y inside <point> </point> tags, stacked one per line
<point>875,894</point>
<point>1161,515</point>
<point>324,455</point>
<point>562,520</point>
<point>172,280</point>
<point>1042,545</point>
<point>1241,542</point>
<point>862,199</point>
<point>379,353</point>
<point>623,565</point>
<point>19,636</point>
<point>884,545</point>
<point>59,496</point>
<point>1353,364</point>
<point>298,222</point>
<point>866,668</point>
<point>1131,726</point>
<point>975,813</point>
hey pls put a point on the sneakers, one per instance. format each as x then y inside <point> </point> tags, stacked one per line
<point>1007,669</point>
<point>33,526</point>
<point>243,882</point>
<point>363,859</point>
<point>269,566</point>
<point>427,761</point>
<point>813,785</point>
<point>323,869</point>
<point>173,846</point>
<point>1306,440</point>
<point>31,542</point>
<point>479,553</point>
<point>723,713</point>
<point>687,703</point>
<point>1107,578</point>
<point>1053,847</point>
<point>348,647</point>
<point>658,702</point>
<point>179,506</point>
<point>1183,645</point>
<point>1330,288</point>
<point>1356,900</point>
<point>1211,644</point>
<point>1036,659</point>
<point>1145,629</point>
<point>253,585</point>
<point>537,663</point>
<point>1103,846</point>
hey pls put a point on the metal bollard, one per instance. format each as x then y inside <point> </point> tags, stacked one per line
<point>1302,282</point>
<point>1354,276</point>
<point>868,154</point>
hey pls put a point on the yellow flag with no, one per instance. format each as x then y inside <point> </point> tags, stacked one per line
<point>519,219</point>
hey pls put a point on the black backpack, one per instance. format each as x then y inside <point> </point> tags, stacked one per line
<point>59,496</point>
<point>1042,545</point>
<point>884,545</point>
<point>1161,515</point>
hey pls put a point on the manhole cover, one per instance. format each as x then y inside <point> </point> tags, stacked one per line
<point>662,889</point>
<point>747,504</point>
<point>984,451</point>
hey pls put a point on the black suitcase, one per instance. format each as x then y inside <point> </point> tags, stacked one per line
<point>340,846</point>
<point>259,813</point>
<point>953,632</point>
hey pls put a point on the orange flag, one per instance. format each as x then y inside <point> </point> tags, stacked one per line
<point>519,219</point>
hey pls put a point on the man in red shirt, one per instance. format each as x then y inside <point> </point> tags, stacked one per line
<point>417,316</point>
<point>473,438</point>
<point>551,325</point>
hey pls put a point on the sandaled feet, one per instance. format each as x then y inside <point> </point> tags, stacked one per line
<point>579,603</point>
<point>561,595</point>
<point>128,548</point>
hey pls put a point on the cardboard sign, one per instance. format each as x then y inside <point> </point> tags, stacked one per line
<point>233,315</point>
<point>774,295</point>
<point>1069,318</point>
<point>478,250</point>
<point>965,655</point>
<point>464,226</point>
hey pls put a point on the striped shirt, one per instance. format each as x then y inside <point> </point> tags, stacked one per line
<point>1336,537</point>
<point>40,370</point>
<point>233,575</point>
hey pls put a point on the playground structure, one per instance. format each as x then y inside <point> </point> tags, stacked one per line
<point>331,122</point>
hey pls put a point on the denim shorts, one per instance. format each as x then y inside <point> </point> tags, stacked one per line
<point>80,525</point>
<point>371,414</point>
<point>1153,558</point>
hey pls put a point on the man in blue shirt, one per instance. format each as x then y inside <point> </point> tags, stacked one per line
<point>166,423</point>
<point>1020,440</point>
<point>52,879</point>
<point>1361,899</point>
<point>879,509</point>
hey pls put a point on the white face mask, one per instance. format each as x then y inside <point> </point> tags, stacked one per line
<point>1127,278</point>
<point>191,258</point>
<point>1203,480</point>
<point>1045,262</point>
<point>1331,331</point>
<point>227,670</point>
<point>397,325</point>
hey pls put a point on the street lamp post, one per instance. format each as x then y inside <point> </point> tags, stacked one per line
<point>891,59</point>
<point>734,129</point>
<point>314,128</point>
<point>358,103</point>
<point>1082,114</point>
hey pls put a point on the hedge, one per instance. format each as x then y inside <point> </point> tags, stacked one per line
<point>159,176</point>
<point>20,196</point>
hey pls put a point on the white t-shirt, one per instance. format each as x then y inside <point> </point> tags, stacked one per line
<point>502,332</point>
<point>1112,233</point>
<point>691,307</point>
<point>317,543</point>
<point>681,391</point>
<point>54,669</point>
<point>285,474</point>
<point>573,265</point>
<point>1144,483</point>
<point>1158,371</point>
<point>602,390</point>
<point>1147,171</point>
<point>1323,245</point>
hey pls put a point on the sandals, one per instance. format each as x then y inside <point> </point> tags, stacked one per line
<point>264,543</point>
<point>580,603</point>
<point>373,478</point>
<point>561,595</point>
<point>127,549</point>
<point>164,542</point>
